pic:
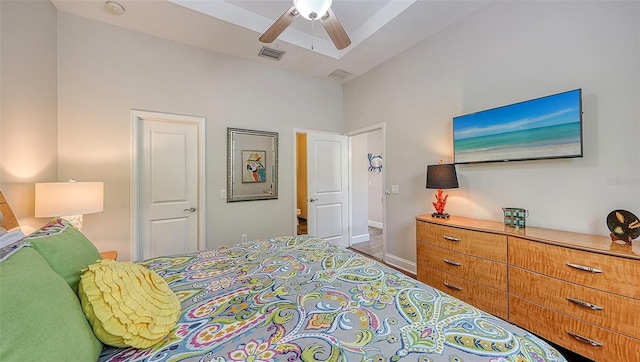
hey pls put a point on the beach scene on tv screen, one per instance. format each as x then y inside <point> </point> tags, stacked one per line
<point>547,127</point>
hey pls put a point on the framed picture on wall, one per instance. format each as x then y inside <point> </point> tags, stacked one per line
<point>252,165</point>
<point>255,169</point>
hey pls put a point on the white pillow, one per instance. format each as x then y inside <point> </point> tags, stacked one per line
<point>10,238</point>
<point>10,243</point>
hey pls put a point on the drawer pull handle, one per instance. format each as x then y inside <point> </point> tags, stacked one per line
<point>585,268</point>
<point>584,339</point>
<point>451,262</point>
<point>584,304</point>
<point>451,238</point>
<point>452,286</point>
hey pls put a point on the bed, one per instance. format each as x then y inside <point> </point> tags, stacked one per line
<point>303,299</point>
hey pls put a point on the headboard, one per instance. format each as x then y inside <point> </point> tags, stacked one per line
<point>9,220</point>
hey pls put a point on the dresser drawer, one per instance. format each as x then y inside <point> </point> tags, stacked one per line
<point>618,275</point>
<point>618,313</point>
<point>554,326</point>
<point>488,299</point>
<point>479,270</point>
<point>481,244</point>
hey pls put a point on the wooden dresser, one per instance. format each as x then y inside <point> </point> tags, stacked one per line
<point>467,264</point>
<point>577,290</point>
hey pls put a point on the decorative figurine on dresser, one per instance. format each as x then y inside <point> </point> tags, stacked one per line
<point>515,217</point>
<point>624,226</point>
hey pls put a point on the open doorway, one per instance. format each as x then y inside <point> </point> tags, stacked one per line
<point>301,183</point>
<point>367,191</point>
<point>357,216</point>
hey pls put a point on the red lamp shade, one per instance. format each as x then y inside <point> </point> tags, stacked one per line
<point>442,176</point>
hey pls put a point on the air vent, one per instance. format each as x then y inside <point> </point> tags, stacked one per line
<point>271,53</point>
<point>339,74</point>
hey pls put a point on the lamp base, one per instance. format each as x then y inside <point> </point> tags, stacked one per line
<point>440,216</point>
<point>76,221</point>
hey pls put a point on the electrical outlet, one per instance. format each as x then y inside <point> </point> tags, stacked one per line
<point>223,194</point>
<point>244,237</point>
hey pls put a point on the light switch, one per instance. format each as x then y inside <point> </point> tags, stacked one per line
<point>395,189</point>
<point>223,194</point>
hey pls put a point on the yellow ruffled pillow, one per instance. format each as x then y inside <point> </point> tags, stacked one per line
<point>127,304</point>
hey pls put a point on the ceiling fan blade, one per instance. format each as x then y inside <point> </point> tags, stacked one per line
<point>278,27</point>
<point>335,30</point>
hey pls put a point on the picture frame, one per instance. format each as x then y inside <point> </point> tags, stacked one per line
<point>252,165</point>
<point>255,166</point>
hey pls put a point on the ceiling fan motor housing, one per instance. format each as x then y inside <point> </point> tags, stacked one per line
<point>312,9</point>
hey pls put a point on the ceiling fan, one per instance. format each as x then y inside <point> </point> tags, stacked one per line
<point>312,10</point>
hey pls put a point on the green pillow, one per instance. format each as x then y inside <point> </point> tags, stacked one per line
<point>66,250</point>
<point>40,317</point>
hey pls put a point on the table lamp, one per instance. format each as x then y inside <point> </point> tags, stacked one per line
<point>69,200</point>
<point>441,177</point>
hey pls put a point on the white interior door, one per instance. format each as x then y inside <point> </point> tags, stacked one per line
<point>168,188</point>
<point>327,187</point>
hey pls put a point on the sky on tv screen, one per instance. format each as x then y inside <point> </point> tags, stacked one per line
<point>542,112</point>
<point>538,128</point>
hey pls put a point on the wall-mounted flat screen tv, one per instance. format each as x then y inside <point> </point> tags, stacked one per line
<point>541,128</point>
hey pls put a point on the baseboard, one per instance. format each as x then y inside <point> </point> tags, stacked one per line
<point>360,238</point>
<point>375,224</point>
<point>401,263</point>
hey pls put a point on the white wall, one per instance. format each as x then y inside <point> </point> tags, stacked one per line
<point>374,184</point>
<point>28,135</point>
<point>105,71</point>
<point>359,199</point>
<point>504,53</point>
<point>1,118</point>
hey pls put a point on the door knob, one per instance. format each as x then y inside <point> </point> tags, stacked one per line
<point>313,200</point>
<point>191,209</point>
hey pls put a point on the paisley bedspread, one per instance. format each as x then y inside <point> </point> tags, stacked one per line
<point>303,299</point>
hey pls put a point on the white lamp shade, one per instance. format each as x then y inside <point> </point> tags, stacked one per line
<point>68,198</point>
<point>308,7</point>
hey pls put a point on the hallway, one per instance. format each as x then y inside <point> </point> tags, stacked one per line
<point>373,247</point>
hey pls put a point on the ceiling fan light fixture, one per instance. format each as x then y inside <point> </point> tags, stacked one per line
<point>312,9</point>
<point>114,7</point>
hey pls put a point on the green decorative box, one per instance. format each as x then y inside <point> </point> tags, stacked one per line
<point>515,217</point>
